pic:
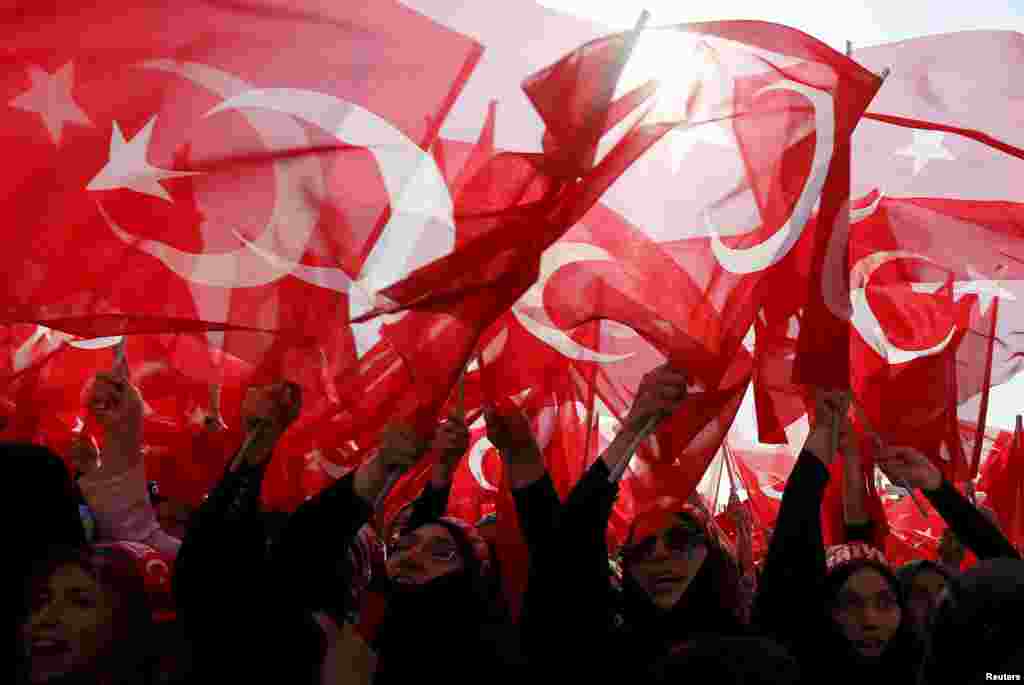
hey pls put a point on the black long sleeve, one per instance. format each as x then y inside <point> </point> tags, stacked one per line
<point>539,509</point>
<point>570,591</point>
<point>795,565</point>
<point>225,534</point>
<point>310,556</point>
<point>238,620</point>
<point>975,531</point>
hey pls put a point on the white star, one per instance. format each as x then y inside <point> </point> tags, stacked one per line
<point>50,98</point>
<point>979,284</point>
<point>128,167</point>
<point>985,288</point>
<point>927,146</point>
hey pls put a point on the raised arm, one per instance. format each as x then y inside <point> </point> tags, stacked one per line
<point>114,484</point>
<point>795,564</point>
<point>313,545</point>
<point>450,442</point>
<point>581,572</point>
<point>537,504</point>
<point>976,532</point>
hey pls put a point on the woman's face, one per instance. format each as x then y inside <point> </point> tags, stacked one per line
<point>924,596</point>
<point>71,625</point>
<point>422,555</point>
<point>665,564</point>
<point>868,612</point>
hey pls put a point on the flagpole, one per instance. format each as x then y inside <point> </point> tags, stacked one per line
<point>979,437</point>
<point>862,415</point>
<point>645,432</point>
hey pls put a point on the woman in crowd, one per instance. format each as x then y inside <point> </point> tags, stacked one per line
<point>680,582</point>
<point>976,629</point>
<point>923,581</point>
<point>841,614</point>
<point>46,496</point>
<point>853,621</point>
<point>91,615</point>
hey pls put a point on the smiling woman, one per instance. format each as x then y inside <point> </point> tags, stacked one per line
<point>89,617</point>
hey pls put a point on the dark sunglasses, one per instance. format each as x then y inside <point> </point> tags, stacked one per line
<point>678,540</point>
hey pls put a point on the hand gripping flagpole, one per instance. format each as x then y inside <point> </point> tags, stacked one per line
<point>460,413</point>
<point>862,415</point>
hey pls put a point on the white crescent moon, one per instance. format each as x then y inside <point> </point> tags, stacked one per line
<point>476,462</point>
<point>759,257</point>
<point>832,290</point>
<point>96,343</point>
<point>867,324</point>
<point>292,219</point>
<point>418,194</point>
<point>554,258</point>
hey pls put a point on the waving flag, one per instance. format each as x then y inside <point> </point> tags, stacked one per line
<point>263,175</point>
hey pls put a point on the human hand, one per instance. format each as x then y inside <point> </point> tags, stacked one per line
<point>116,405</point>
<point>509,431</point>
<point>267,411</point>
<point>400,447</point>
<point>451,441</point>
<point>910,466</point>
<point>662,391</point>
<point>830,408</point>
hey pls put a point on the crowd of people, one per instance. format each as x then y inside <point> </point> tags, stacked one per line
<point>327,595</point>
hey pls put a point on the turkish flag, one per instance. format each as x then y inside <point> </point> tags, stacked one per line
<point>264,177</point>
<point>1002,481</point>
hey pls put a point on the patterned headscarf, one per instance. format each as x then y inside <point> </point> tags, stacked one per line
<point>133,567</point>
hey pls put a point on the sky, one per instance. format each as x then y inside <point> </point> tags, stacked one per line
<point>521,38</point>
<point>863,24</point>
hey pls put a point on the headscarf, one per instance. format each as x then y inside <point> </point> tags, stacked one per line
<point>711,603</point>
<point>976,629</point>
<point>423,622</point>
<point>902,656</point>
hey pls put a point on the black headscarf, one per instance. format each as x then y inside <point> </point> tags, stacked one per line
<point>976,629</point>
<point>838,660</point>
<point>710,605</point>
<point>446,630</point>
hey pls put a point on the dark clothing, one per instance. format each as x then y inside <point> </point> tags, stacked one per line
<point>439,632</point>
<point>445,632</point>
<point>429,506</point>
<point>571,593</point>
<point>244,618</point>
<point>975,531</point>
<point>976,630</point>
<point>44,502</point>
<point>793,603</point>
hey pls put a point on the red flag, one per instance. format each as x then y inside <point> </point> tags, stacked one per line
<point>251,191</point>
<point>1002,480</point>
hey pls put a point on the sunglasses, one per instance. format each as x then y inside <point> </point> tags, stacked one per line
<point>677,540</point>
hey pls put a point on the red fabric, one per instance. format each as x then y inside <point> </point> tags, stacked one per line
<point>1002,481</point>
<point>216,139</point>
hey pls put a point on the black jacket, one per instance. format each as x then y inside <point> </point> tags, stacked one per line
<point>792,603</point>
